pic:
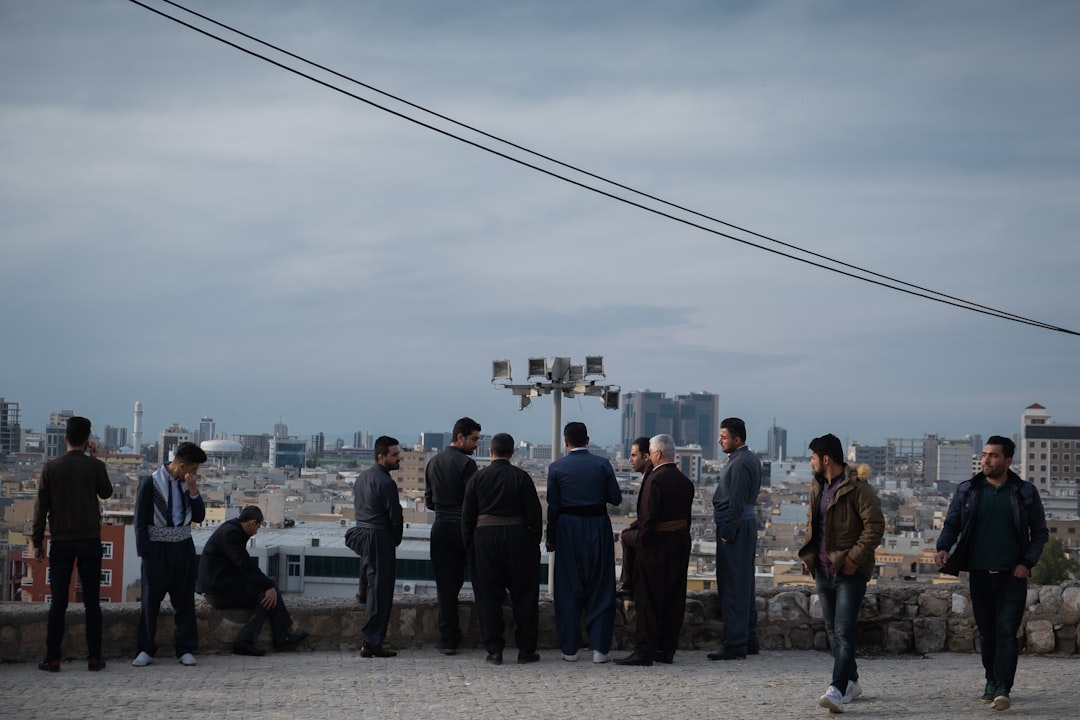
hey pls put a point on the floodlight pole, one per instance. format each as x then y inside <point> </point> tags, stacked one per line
<point>556,425</point>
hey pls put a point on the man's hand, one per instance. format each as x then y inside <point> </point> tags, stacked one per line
<point>849,568</point>
<point>941,558</point>
<point>1021,571</point>
<point>192,488</point>
<point>269,599</point>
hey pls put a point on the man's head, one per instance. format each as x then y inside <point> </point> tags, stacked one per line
<point>732,434</point>
<point>466,435</point>
<point>826,456</point>
<point>251,519</point>
<point>997,456</point>
<point>77,432</point>
<point>186,459</point>
<point>576,435</point>
<point>639,454</point>
<point>502,446</point>
<point>661,449</point>
<point>388,452</point>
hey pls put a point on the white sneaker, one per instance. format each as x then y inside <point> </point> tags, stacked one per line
<point>188,659</point>
<point>569,658</point>
<point>832,699</point>
<point>854,690</point>
<point>142,659</point>
<point>599,658</point>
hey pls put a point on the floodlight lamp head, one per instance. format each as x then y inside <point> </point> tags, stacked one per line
<point>537,367</point>
<point>611,399</point>
<point>560,369</point>
<point>500,370</point>
<point>577,373</point>
<point>594,365</point>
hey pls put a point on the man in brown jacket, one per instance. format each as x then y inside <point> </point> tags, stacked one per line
<point>844,525</point>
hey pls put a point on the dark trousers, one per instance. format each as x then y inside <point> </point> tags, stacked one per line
<point>378,563</point>
<point>169,568</point>
<point>584,581</point>
<point>660,592</point>
<point>997,604</point>
<point>841,599</point>
<point>628,540</point>
<point>735,583</point>
<point>506,559</point>
<point>64,556</point>
<point>448,560</point>
<point>251,597</point>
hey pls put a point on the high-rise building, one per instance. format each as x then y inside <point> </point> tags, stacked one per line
<point>115,437</point>
<point>169,440</point>
<point>776,442</point>
<point>207,429</point>
<point>55,446</point>
<point>691,419</point>
<point>1049,457</point>
<point>10,428</point>
<point>433,441</point>
<point>697,422</point>
<point>318,444</point>
<point>954,463</point>
<point>281,430</point>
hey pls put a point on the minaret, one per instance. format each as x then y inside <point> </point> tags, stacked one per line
<point>136,434</point>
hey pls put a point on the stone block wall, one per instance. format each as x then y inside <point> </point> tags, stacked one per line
<point>895,619</point>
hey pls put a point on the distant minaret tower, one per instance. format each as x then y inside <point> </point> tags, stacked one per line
<point>136,434</point>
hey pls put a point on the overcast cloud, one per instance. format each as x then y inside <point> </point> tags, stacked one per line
<point>188,226</point>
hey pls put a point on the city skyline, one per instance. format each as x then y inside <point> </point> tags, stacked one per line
<point>193,228</point>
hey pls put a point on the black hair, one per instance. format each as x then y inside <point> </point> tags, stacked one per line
<point>189,452</point>
<point>250,512</point>
<point>735,426</point>
<point>1008,447</point>
<point>642,445</point>
<point>576,434</point>
<point>502,445</point>
<point>383,443</point>
<point>828,446</point>
<point>465,426</point>
<point>77,431</point>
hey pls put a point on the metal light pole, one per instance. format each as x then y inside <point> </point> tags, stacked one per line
<point>558,377</point>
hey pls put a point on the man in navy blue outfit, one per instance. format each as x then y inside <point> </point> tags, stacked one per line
<point>579,489</point>
<point>995,529</point>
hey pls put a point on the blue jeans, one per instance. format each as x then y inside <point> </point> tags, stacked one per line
<point>841,598</point>
<point>997,604</point>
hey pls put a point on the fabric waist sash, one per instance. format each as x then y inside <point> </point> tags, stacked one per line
<point>169,534</point>
<point>584,510</point>
<point>371,526</point>
<point>672,526</point>
<point>498,521</point>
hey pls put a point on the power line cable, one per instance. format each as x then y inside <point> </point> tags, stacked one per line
<point>587,173</point>
<point>902,286</point>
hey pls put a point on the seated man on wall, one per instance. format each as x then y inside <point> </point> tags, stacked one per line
<point>230,578</point>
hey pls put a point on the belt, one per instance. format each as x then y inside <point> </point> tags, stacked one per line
<point>498,521</point>
<point>672,526</point>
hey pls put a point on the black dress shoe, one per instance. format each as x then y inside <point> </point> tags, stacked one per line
<point>244,647</point>
<point>665,658</point>
<point>49,665</point>
<point>526,658</point>
<point>289,639</point>
<point>753,650</point>
<point>635,659</point>
<point>494,658</point>
<point>728,654</point>
<point>95,664</point>
<point>376,651</point>
<point>445,650</point>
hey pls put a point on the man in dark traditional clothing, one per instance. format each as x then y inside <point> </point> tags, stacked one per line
<point>501,526</point>
<point>640,462</point>
<point>663,554</point>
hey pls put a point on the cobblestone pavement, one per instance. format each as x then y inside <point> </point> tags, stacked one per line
<point>425,684</point>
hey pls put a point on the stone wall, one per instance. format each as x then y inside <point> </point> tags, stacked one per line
<point>895,619</point>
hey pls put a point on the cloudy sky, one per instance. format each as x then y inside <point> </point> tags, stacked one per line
<point>190,226</point>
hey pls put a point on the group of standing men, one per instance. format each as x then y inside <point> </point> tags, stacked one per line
<point>167,502</point>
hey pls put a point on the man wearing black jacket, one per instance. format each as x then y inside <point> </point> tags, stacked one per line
<point>995,529</point>
<point>230,578</point>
